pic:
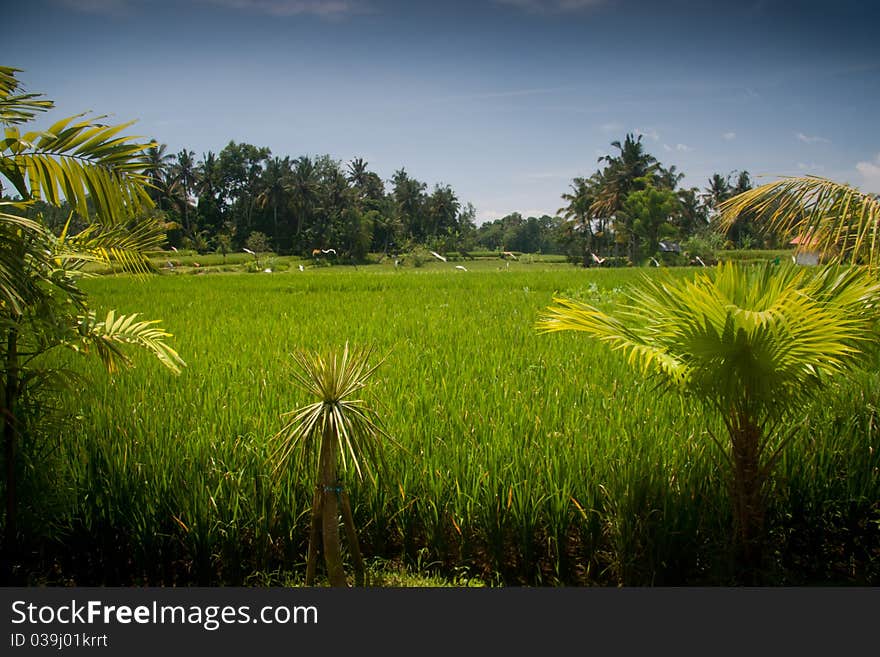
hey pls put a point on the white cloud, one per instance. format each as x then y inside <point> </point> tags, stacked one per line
<point>551,6</point>
<point>683,148</point>
<point>611,126</point>
<point>871,173</point>
<point>667,148</point>
<point>728,136</point>
<point>811,140</point>
<point>324,8</point>
<point>651,133</point>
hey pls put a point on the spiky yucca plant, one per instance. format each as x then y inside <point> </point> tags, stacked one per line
<point>753,344</point>
<point>337,428</point>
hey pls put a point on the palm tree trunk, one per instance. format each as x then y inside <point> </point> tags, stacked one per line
<point>748,495</point>
<point>351,535</point>
<point>330,511</point>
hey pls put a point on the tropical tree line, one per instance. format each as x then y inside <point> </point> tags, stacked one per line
<point>244,195</point>
<point>296,205</point>
<point>632,203</point>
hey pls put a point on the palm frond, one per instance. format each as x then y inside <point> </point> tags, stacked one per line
<point>106,337</point>
<point>836,219</point>
<point>78,160</point>
<point>17,107</point>
<point>126,245</point>
<point>757,336</point>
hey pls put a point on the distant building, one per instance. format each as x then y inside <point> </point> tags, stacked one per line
<point>806,253</point>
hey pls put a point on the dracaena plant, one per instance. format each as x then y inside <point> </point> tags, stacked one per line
<point>753,344</point>
<point>339,428</point>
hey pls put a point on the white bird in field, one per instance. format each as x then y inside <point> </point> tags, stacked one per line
<point>438,256</point>
<point>700,260</point>
<point>460,267</point>
<point>246,250</point>
<point>174,248</point>
<point>508,254</point>
<point>301,268</point>
<point>597,259</point>
<point>654,260</point>
<point>333,251</point>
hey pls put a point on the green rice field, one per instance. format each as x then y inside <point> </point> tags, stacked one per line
<point>523,459</point>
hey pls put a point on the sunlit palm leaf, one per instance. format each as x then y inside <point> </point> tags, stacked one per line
<point>80,161</point>
<point>836,219</point>
<point>756,340</point>
<point>106,337</point>
<point>17,107</point>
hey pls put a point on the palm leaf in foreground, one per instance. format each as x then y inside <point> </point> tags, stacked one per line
<point>751,343</point>
<point>836,219</point>
<point>318,435</point>
<point>107,336</point>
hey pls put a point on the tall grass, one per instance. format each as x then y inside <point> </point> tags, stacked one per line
<point>527,459</point>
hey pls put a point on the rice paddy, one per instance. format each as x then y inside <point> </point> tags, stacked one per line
<point>524,459</point>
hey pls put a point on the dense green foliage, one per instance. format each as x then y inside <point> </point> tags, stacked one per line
<point>243,194</point>
<point>99,174</point>
<point>524,459</point>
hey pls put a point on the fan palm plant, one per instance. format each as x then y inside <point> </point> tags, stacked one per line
<point>101,175</point>
<point>838,220</point>
<point>337,428</point>
<point>753,344</point>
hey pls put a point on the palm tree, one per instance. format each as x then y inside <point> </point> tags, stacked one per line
<point>840,221</point>
<point>578,215</point>
<point>184,172</point>
<point>304,189</point>
<point>105,179</point>
<point>752,344</point>
<point>276,186</point>
<point>357,172</point>
<point>158,167</point>
<point>622,173</point>
<point>626,172</point>
<point>335,428</point>
<point>717,192</point>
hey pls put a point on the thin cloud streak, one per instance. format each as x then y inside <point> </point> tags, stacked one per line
<point>551,6</point>
<point>800,136</point>
<point>282,8</point>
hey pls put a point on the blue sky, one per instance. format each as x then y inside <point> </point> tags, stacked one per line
<point>505,100</point>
